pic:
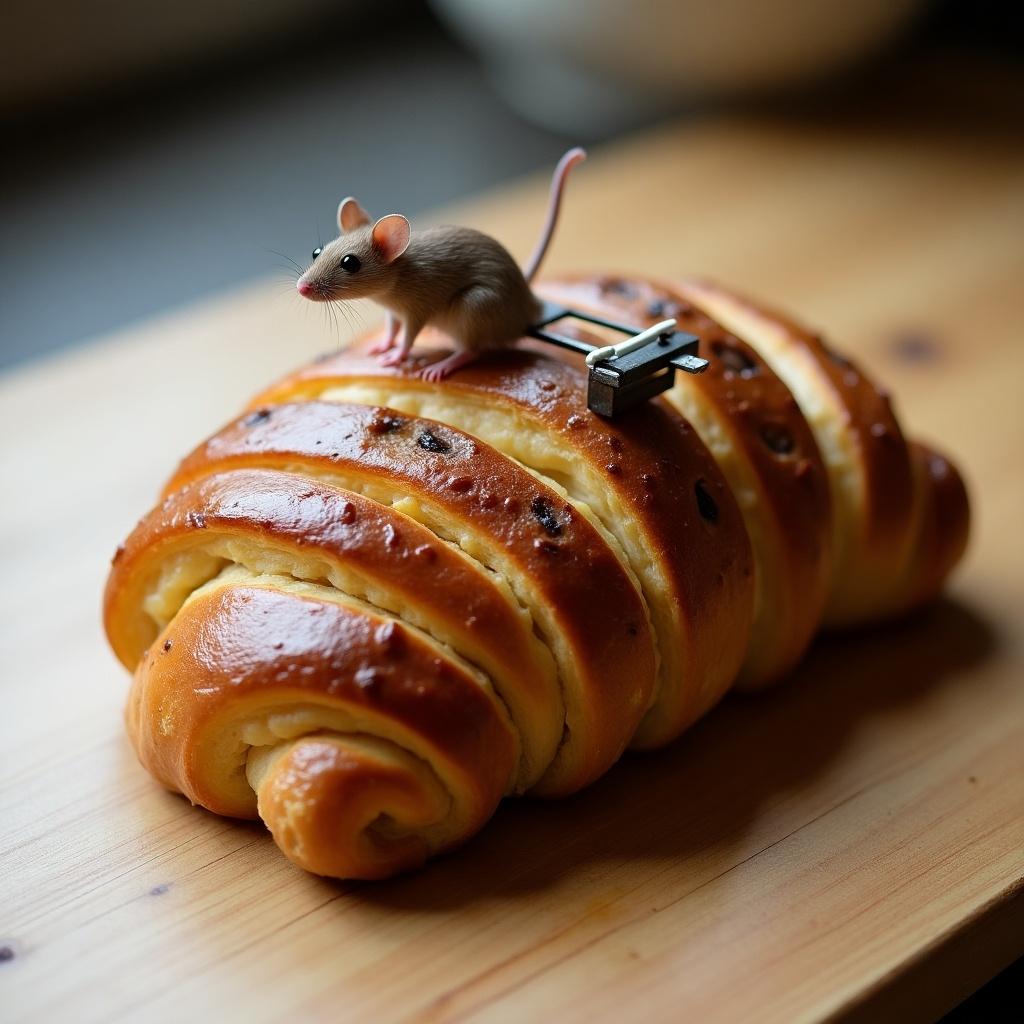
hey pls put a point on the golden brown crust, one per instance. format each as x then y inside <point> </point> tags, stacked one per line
<point>322,796</point>
<point>238,661</point>
<point>531,533</point>
<point>655,468</point>
<point>290,513</point>
<point>944,524</point>
<point>348,617</point>
<point>326,530</point>
<point>872,478</point>
<point>754,427</point>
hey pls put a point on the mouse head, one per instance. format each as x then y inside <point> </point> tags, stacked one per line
<point>357,264</point>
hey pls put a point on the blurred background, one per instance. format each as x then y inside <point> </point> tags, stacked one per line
<point>154,154</point>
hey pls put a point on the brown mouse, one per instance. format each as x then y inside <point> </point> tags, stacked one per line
<point>458,280</point>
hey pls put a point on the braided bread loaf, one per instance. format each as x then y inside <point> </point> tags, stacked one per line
<point>371,607</point>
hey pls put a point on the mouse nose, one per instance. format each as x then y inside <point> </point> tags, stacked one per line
<point>304,287</point>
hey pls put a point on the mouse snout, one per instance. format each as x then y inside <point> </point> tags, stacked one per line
<point>305,288</point>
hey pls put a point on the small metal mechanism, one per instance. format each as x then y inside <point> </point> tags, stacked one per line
<point>623,375</point>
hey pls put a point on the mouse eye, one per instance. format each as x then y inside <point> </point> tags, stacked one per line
<point>350,263</point>
<point>317,251</point>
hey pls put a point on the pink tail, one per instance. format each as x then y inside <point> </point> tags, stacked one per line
<point>565,165</point>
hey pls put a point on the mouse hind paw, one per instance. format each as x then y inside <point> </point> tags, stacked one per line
<point>446,367</point>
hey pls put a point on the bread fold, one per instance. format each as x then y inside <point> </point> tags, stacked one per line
<point>370,607</point>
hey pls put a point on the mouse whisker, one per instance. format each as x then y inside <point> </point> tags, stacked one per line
<point>285,280</point>
<point>339,311</point>
<point>334,319</point>
<point>355,315</point>
<point>292,263</point>
<point>332,305</point>
<point>352,317</point>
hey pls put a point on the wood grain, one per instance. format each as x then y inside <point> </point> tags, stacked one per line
<point>849,845</point>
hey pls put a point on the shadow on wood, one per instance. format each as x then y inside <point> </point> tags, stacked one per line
<point>703,792</point>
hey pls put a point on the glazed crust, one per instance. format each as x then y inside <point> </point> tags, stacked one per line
<point>875,503</point>
<point>248,662</point>
<point>645,475</point>
<point>513,523</point>
<point>371,606</point>
<point>941,538</point>
<point>752,424</point>
<point>287,524</point>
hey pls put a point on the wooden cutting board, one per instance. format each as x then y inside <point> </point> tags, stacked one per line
<point>850,845</point>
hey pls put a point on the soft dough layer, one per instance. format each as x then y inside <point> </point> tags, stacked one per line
<point>370,607</point>
<point>303,696</point>
<point>655,488</point>
<point>754,428</point>
<point>527,535</point>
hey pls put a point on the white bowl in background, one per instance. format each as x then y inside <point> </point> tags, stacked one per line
<point>593,65</point>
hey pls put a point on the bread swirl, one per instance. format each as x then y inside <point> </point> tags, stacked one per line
<point>372,606</point>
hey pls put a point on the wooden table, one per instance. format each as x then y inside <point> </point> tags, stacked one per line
<point>849,845</point>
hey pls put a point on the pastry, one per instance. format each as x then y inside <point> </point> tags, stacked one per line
<point>372,606</point>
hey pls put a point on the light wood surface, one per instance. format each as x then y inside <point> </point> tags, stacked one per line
<point>850,844</point>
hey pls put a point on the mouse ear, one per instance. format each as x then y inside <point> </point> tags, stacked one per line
<point>391,236</point>
<point>351,215</point>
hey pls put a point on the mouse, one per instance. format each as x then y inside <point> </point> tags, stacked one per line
<point>455,279</point>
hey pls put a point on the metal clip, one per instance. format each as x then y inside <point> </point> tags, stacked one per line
<point>623,375</point>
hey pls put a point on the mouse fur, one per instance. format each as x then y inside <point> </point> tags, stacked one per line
<point>455,279</point>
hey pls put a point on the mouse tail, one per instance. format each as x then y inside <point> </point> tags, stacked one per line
<point>565,165</point>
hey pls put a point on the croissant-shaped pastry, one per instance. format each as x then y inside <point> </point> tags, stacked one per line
<point>372,606</point>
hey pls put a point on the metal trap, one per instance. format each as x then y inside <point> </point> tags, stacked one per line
<point>623,375</point>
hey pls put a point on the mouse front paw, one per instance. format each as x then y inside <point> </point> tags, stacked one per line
<point>379,347</point>
<point>392,357</point>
